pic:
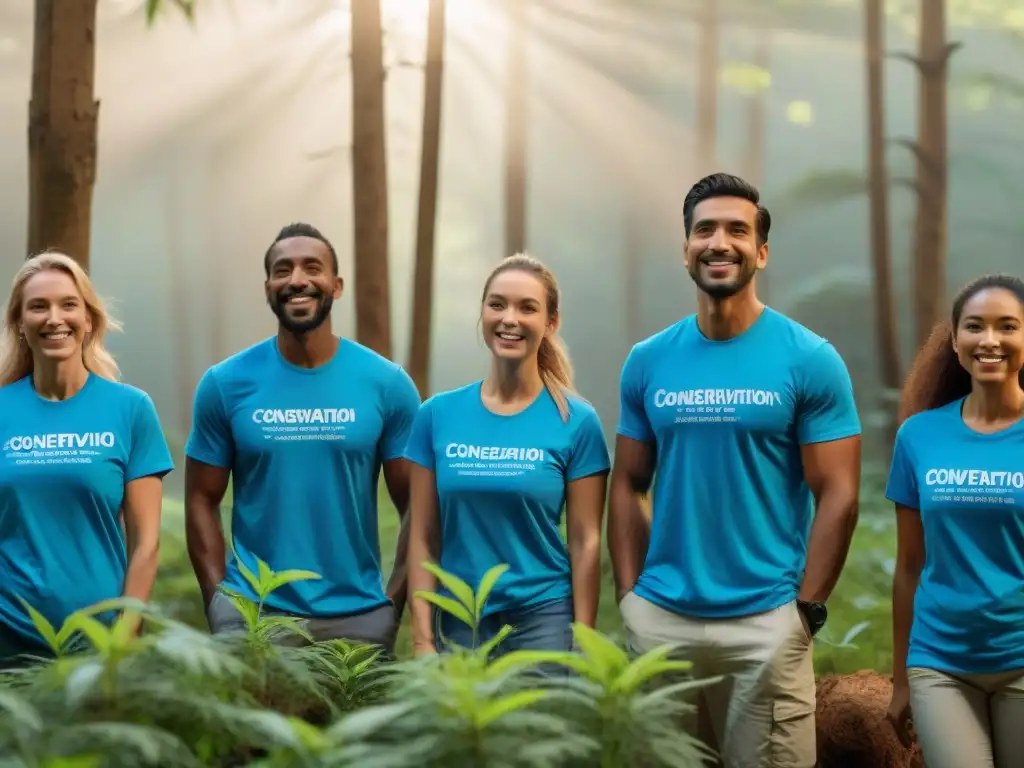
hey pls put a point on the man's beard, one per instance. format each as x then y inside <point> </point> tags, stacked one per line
<point>293,325</point>
<point>723,290</point>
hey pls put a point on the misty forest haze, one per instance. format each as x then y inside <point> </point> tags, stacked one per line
<point>213,135</point>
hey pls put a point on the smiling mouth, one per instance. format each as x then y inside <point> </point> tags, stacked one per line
<point>300,300</point>
<point>56,335</point>
<point>505,336</point>
<point>990,359</point>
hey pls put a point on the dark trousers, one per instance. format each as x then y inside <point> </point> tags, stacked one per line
<point>543,627</point>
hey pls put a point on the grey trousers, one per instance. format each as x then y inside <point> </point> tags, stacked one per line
<point>375,627</point>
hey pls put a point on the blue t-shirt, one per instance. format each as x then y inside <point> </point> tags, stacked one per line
<point>62,479</point>
<point>501,484</point>
<point>969,489</point>
<point>305,448</point>
<point>731,509</point>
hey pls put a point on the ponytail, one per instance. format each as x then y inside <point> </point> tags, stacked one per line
<point>556,372</point>
<point>552,357</point>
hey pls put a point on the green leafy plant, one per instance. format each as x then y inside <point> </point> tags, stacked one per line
<point>465,605</point>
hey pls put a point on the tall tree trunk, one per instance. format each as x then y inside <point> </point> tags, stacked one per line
<point>516,129</point>
<point>369,179</point>
<point>707,90</point>
<point>932,173</point>
<point>886,338</point>
<point>757,127</point>
<point>426,220</point>
<point>633,262</point>
<point>174,219</point>
<point>63,115</point>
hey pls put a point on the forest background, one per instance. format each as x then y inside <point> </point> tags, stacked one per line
<point>430,138</point>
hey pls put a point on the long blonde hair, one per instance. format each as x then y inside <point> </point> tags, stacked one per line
<point>15,355</point>
<point>552,356</point>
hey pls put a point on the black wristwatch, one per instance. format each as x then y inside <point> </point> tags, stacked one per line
<point>815,613</point>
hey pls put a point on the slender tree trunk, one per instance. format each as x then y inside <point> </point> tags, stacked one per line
<point>516,130</point>
<point>174,219</point>
<point>633,261</point>
<point>369,179</point>
<point>886,338</point>
<point>931,155</point>
<point>707,90</point>
<point>63,115</point>
<point>757,126</point>
<point>426,220</point>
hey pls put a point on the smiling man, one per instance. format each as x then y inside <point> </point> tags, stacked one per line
<point>303,422</point>
<point>744,424</point>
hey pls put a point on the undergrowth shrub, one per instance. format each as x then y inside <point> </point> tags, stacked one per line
<point>151,691</point>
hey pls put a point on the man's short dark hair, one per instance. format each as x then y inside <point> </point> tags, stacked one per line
<point>299,229</point>
<point>726,185</point>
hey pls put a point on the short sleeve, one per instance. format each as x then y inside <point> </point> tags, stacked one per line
<point>589,450</point>
<point>420,447</point>
<point>402,403</point>
<point>827,409</point>
<point>210,440</point>
<point>633,422</point>
<point>149,454</point>
<point>902,485</point>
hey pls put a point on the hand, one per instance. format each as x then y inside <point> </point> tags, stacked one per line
<point>805,625</point>
<point>899,715</point>
<point>423,649</point>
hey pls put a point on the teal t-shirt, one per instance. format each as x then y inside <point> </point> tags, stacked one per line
<point>62,482</point>
<point>501,484</point>
<point>969,490</point>
<point>731,509</point>
<point>305,448</point>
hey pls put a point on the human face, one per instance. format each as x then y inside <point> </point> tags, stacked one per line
<point>54,317</point>
<point>302,286</point>
<point>989,339</point>
<point>722,254</point>
<point>515,316</point>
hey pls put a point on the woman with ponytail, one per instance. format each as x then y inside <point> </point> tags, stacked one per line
<point>493,464</point>
<point>80,450</point>
<point>957,481</point>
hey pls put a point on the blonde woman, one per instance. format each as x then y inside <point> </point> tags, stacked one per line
<point>493,464</point>
<point>78,449</point>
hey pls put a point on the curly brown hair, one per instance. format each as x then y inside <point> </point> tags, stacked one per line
<point>936,378</point>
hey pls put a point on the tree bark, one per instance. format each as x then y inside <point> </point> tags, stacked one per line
<point>707,90</point>
<point>516,129</point>
<point>63,116</point>
<point>369,179</point>
<point>426,219</point>
<point>177,193</point>
<point>886,338</point>
<point>634,263</point>
<point>930,227</point>
<point>757,127</point>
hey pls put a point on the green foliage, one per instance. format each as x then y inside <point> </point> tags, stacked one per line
<point>155,7</point>
<point>148,690</point>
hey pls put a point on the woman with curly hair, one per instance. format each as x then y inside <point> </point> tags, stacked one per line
<point>957,480</point>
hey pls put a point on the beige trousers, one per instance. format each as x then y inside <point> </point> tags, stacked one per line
<point>761,715</point>
<point>968,721</point>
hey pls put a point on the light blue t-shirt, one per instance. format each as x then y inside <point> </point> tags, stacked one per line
<point>731,509</point>
<point>501,484</point>
<point>969,489</point>
<point>305,448</point>
<point>62,479</point>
